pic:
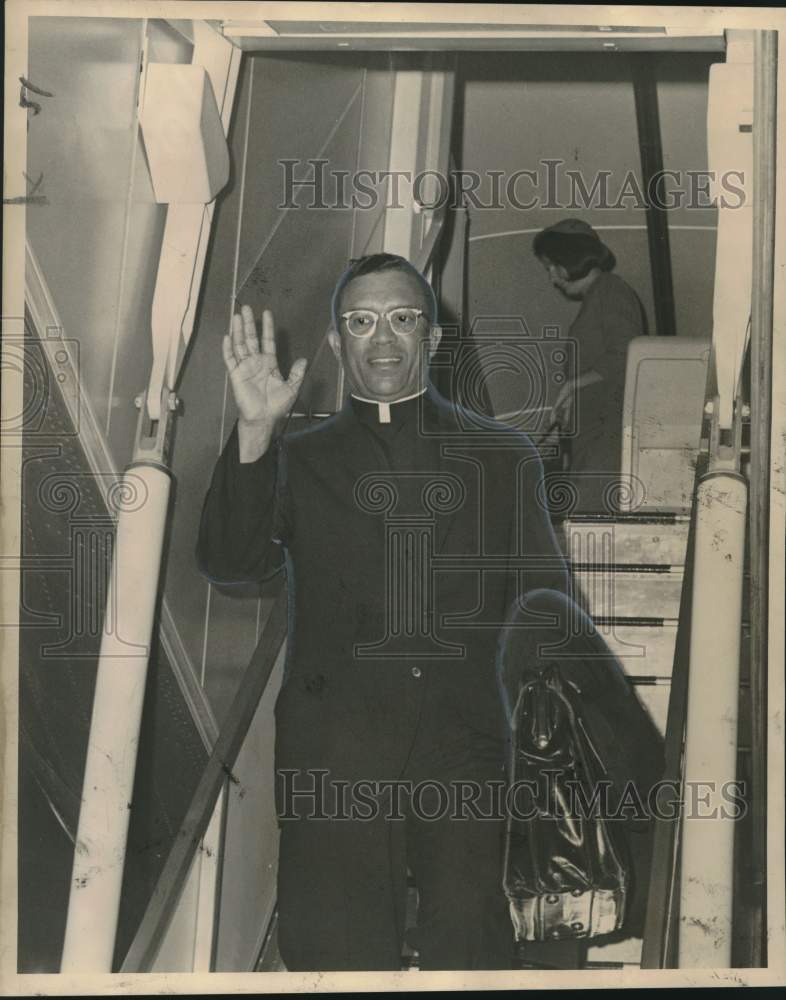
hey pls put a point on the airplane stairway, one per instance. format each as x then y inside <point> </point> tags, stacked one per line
<point>628,569</point>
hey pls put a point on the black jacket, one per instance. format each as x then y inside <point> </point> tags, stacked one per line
<point>324,501</point>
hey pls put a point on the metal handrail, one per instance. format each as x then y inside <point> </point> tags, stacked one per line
<point>662,917</point>
<point>659,941</point>
<point>765,117</point>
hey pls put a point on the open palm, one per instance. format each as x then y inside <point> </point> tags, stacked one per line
<point>261,393</point>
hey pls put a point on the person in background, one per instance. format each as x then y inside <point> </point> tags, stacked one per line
<point>581,267</point>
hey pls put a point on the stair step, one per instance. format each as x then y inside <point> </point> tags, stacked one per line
<point>643,650</point>
<point>620,591</point>
<point>627,952</point>
<point>648,650</point>
<point>625,541</point>
<point>655,698</point>
<point>611,592</point>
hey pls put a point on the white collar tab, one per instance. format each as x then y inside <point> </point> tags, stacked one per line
<point>383,409</point>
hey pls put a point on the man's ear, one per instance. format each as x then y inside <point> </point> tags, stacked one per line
<point>335,343</point>
<point>434,338</point>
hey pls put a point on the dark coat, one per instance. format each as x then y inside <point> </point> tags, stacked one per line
<point>483,526</point>
<point>611,315</point>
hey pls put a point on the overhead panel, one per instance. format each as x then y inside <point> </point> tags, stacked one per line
<point>433,35</point>
<point>446,27</point>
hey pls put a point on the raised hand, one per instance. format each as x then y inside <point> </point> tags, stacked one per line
<point>262,395</point>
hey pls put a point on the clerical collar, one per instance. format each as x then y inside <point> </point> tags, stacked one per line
<point>383,409</point>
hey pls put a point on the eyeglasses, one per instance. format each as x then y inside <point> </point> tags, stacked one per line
<point>402,320</point>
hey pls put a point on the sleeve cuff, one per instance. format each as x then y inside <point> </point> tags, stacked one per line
<point>261,469</point>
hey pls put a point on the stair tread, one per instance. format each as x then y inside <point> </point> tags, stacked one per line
<point>655,699</point>
<point>622,517</point>
<point>645,569</point>
<point>608,594</point>
<point>627,951</point>
<point>644,541</point>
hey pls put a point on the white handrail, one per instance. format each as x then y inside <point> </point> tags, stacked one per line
<point>706,890</point>
<point>100,850</point>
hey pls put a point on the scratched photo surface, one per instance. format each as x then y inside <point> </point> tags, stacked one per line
<point>393,497</point>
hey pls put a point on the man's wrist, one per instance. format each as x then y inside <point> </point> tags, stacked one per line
<point>253,439</point>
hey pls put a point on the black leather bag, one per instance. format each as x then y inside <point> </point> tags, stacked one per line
<point>566,870</point>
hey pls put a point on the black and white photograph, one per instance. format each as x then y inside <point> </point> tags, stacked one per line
<point>393,467</point>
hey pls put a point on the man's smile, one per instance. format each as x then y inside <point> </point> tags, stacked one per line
<point>385,361</point>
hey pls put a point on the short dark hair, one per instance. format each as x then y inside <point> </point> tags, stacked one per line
<point>576,252</point>
<point>371,264</point>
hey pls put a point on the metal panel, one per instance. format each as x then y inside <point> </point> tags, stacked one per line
<point>420,151</point>
<point>730,148</point>
<point>373,156</point>
<point>81,146</point>
<point>248,890</point>
<point>645,89</point>
<point>664,400</point>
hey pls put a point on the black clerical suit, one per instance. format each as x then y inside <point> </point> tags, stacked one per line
<point>406,543</point>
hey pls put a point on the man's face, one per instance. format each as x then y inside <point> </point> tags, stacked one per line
<point>385,366</point>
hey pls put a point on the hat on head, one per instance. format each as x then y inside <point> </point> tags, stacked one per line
<point>574,245</point>
<point>573,227</point>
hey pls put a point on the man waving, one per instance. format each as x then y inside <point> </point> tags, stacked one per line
<point>408,525</point>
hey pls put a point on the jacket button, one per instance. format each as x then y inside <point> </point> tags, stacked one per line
<point>416,671</point>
